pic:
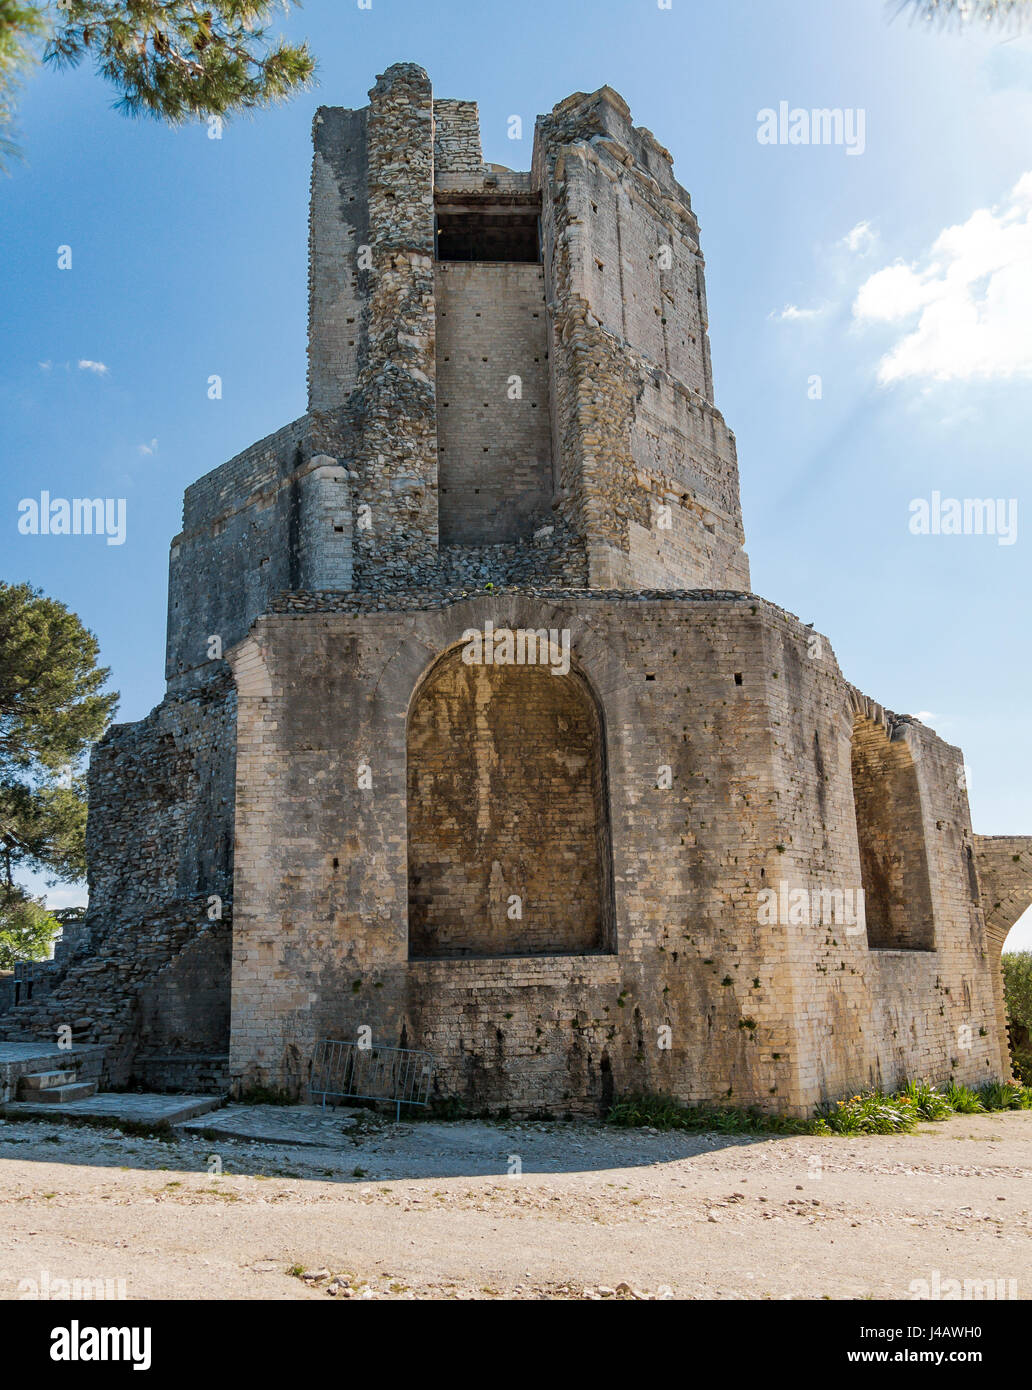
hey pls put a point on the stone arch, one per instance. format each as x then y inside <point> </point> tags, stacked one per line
<point>508,813</point>
<point>890,835</point>
<point>1005,878</point>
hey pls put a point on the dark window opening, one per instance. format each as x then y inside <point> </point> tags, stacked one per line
<point>488,233</point>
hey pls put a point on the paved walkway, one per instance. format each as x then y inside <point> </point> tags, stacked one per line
<point>307,1126</point>
<point>120,1106</point>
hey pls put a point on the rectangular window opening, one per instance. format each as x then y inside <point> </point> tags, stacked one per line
<point>488,231</point>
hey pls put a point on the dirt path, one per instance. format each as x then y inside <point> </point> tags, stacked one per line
<point>429,1210</point>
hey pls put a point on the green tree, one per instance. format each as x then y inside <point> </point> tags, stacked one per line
<point>27,930</point>
<point>1007,14</point>
<point>52,709</point>
<point>172,59</point>
<point>22,26</point>
<point>1017,990</point>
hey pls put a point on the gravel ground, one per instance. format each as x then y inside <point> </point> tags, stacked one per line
<point>515,1210</point>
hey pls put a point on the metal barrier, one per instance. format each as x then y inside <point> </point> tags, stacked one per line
<point>24,980</point>
<point>352,1072</point>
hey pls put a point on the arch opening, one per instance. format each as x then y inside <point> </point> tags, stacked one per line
<point>508,814</point>
<point>1005,875</point>
<point>890,833</point>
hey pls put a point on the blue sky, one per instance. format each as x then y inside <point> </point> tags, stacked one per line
<point>901,276</point>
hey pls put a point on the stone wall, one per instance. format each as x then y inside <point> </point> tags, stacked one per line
<point>108,999</point>
<point>165,787</point>
<point>647,467</point>
<point>339,280</point>
<point>717,794</point>
<point>183,1020</point>
<point>159,840</point>
<point>234,551</point>
<point>395,404</point>
<point>508,838</point>
<point>457,138</point>
<point>728,752</point>
<point>494,432</point>
<point>868,1016</point>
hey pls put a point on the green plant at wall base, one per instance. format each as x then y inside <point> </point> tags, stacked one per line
<point>648,1110</point>
<point>929,1103</point>
<point>1005,1095</point>
<point>266,1095</point>
<point>963,1100</point>
<point>869,1112</point>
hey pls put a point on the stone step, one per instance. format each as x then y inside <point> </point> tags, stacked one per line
<point>59,1095</point>
<point>44,1080</point>
<point>131,1106</point>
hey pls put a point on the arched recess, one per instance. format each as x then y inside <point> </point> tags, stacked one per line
<point>1005,877</point>
<point>508,813</point>
<point>890,832</point>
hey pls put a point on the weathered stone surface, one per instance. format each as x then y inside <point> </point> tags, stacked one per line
<point>774,1013</point>
<point>508,834</point>
<point>646,869</point>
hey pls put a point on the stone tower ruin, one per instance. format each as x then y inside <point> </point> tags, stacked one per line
<point>475,737</point>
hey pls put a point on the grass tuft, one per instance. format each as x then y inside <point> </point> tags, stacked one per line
<point>869,1112</point>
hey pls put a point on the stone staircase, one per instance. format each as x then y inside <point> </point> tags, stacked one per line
<point>62,1084</point>
<point>54,1087</point>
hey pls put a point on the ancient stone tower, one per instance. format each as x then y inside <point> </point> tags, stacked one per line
<point>474,737</point>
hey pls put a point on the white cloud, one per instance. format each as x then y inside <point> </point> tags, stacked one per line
<point>792,311</point>
<point>971,294</point>
<point>45,366</point>
<point>151,448</point>
<point>860,239</point>
<point>85,365</point>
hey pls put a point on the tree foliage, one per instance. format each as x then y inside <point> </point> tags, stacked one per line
<point>22,26</point>
<point>52,708</point>
<point>1017,989</point>
<point>172,59</point>
<point>1004,14</point>
<point>175,58</point>
<point>27,929</point>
